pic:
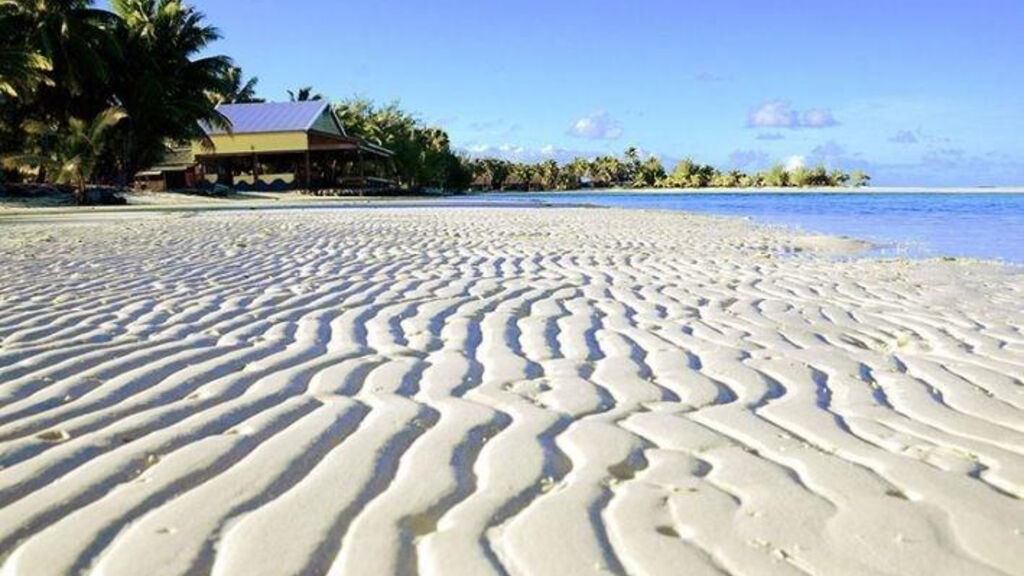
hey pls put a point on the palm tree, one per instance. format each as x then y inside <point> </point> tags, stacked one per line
<point>606,171</point>
<point>497,172</point>
<point>775,177</point>
<point>74,42</point>
<point>649,173</point>
<point>838,178</point>
<point>69,154</point>
<point>548,174</point>
<point>239,90</point>
<point>574,172</point>
<point>860,179</point>
<point>20,70</point>
<point>522,174</point>
<point>21,66</point>
<point>632,164</point>
<point>304,94</point>
<point>164,84</point>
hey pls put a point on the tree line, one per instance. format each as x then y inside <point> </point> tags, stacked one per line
<point>632,171</point>
<point>90,95</point>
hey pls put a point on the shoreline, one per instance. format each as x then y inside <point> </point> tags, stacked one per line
<point>769,191</point>
<point>168,200</point>
<point>270,202</point>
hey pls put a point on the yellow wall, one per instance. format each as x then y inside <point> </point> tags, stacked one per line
<point>241,143</point>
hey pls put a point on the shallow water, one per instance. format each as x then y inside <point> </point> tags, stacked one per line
<point>979,225</point>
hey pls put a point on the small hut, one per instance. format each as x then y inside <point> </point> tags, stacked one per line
<point>176,171</point>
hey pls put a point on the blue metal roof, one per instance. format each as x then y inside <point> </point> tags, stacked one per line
<point>269,116</point>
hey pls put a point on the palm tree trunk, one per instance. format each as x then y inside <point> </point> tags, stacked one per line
<point>80,191</point>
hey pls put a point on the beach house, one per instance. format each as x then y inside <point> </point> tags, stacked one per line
<point>288,145</point>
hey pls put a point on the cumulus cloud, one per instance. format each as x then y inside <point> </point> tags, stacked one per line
<point>775,114</point>
<point>781,114</point>
<point>904,137</point>
<point>599,126</point>
<point>771,136</point>
<point>817,118</point>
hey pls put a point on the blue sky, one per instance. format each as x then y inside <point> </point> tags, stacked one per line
<point>916,92</point>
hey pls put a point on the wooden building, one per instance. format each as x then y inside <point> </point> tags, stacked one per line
<point>288,145</point>
<point>176,171</point>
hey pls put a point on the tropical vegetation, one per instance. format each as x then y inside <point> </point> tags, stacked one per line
<point>93,95</point>
<point>423,155</point>
<point>89,95</point>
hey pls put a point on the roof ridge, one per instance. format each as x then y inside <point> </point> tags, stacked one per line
<point>319,113</point>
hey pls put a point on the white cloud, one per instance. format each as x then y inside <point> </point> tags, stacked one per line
<point>774,114</point>
<point>600,126</point>
<point>781,114</point>
<point>817,118</point>
<point>794,163</point>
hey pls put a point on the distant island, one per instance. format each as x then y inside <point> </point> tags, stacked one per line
<point>630,171</point>
<point>95,97</point>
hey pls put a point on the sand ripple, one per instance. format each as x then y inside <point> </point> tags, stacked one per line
<point>499,391</point>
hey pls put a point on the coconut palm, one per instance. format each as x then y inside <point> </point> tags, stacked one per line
<point>304,94</point>
<point>496,170</point>
<point>631,164</point>
<point>574,172</point>
<point>21,66</point>
<point>522,174</point>
<point>649,173</point>
<point>74,43</point>
<point>69,154</point>
<point>607,171</point>
<point>776,177</point>
<point>20,70</point>
<point>548,173</point>
<point>163,83</point>
<point>238,89</point>
<point>859,179</point>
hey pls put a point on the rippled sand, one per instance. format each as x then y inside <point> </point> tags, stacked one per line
<point>472,391</point>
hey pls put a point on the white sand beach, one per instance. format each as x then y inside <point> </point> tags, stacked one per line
<point>464,391</point>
